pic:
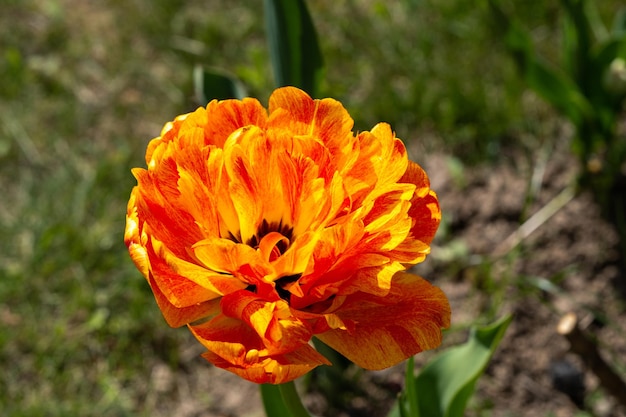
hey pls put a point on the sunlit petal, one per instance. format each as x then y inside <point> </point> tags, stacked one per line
<point>406,321</point>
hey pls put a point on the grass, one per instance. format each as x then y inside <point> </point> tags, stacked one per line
<point>85,85</point>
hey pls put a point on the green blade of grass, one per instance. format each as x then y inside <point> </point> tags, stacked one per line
<point>548,82</point>
<point>294,49</point>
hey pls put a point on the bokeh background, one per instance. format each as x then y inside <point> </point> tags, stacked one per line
<point>84,85</point>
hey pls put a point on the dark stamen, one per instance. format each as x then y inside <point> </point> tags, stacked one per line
<point>280,284</point>
<point>267,228</point>
<point>234,238</point>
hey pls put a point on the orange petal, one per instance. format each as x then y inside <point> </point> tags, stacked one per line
<point>180,290</point>
<point>243,187</point>
<point>273,370</point>
<point>327,120</point>
<point>176,316</point>
<point>226,256</point>
<point>229,115</point>
<point>392,159</point>
<point>134,239</point>
<point>273,321</point>
<point>236,347</point>
<point>392,328</point>
<point>216,284</point>
<point>425,208</point>
<point>199,200</point>
<point>375,280</point>
<point>168,222</point>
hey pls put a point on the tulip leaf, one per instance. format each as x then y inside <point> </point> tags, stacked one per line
<point>549,82</point>
<point>619,23</point>
<point>294,49</point>
<point>558,90</point>
<point>212,84</point>
<point>609,51</point>
<point>446,383</point>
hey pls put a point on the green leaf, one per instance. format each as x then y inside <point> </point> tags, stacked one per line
<point>607,52</point>
<point>294,49</point>
<point>212,84</point>
<point>445,384</point>
<point>548,82</point>
<point>619,23</point>
<point>558,89</point>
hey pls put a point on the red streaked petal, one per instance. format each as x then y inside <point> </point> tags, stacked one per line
<point>217,284</point>
<point>180,291</point>
<point>425,210</point>
<point>273,321</point>
<point>177,316</point>
<point>292,109</point>
<point>228,116</point>
<point>226,256</point>
<point>167,221</point>
<point>236,347</point>
<point>392,328</point>
<point>274,369</point>
<point>391,162</point>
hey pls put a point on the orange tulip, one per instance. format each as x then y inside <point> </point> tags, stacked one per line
<point>261,229</point>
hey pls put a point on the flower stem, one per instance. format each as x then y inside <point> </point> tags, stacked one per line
<point>282,400</point>
<point>292,400</point>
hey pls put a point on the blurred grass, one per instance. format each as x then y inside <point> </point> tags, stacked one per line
<point>85,85</point>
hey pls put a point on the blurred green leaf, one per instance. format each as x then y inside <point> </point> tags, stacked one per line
<point>445,384</point>
<point>212,84</point>
<point>607,52</point>
<point>557,89</point>
<point>550,83</point>
<point>619,23</point>
<point>294,50</point>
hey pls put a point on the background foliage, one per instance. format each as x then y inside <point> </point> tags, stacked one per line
<point>85,85</point>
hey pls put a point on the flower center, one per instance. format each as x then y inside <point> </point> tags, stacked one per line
<point>266,228</point>
<point>283,283</point>
<point>279,238</point>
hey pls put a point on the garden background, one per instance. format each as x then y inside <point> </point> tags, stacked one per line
<point>86,84</point>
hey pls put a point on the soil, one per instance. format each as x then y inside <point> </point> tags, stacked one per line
<point>567,264</point>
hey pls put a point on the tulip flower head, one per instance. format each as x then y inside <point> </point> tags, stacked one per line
<point>260,229</point>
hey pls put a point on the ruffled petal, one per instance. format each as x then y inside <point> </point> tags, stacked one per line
<point>390,329</point>
<point>325,120</point>
<point>168,221</point>
<point>214,284</point>
<point>273,321</point>
<point>178,316</point>
<point>425,211</point>
<point>227,116</point>
<point>233,345</point>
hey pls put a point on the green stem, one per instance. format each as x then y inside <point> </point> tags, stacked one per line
<point>282,400</point>
<point>292,400</point>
